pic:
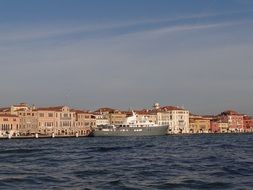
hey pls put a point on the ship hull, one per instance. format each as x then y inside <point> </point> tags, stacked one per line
<point>132,131</point>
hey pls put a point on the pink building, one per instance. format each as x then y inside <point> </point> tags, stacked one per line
<point>234,120</point>
<point>215,127</point>
<point>247,123</point>
<point>9,125</point>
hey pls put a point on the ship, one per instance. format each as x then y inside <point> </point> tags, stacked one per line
<point>131,127</point>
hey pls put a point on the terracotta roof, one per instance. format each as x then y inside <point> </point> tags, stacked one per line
<point>144,112</point>
<point>230,112</point>
<point>169,108</point>
<point>247,117</point>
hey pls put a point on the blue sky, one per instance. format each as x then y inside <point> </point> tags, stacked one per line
<point>87,54</point>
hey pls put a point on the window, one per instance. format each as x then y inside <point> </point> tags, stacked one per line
<point>41,114</point>
<point>50,114</point>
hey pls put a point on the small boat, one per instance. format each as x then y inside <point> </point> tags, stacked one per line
<point>131,127</point>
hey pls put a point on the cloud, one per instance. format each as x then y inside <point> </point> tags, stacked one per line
<point>135,68</point>
<point>30,31</point>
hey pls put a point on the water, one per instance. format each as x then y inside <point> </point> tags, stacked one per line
<point>166,162</point>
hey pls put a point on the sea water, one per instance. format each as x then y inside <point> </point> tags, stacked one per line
<point>162,162</point>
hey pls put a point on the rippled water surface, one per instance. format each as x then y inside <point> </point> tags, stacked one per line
<point>166,162</point>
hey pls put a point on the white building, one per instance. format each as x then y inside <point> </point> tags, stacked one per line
<point>177,118</point>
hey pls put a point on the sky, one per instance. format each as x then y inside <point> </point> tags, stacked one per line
<point>128,54</point>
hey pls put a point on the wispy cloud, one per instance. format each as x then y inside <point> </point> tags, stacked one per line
<point>26,32</point>
<point>183,27</point>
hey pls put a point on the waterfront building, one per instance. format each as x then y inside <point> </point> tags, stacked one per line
<point>163,118</point>
<point>103,116</point>
<point>214,125</point>
<point>234,120</point>
<point>28,121</point>
<point>117,117</point>
<point>224,127</point>
<point>146,114</point>
<point>101,119</point>
<point>247,123</point>
<point>9,125</point>
<point>177,118</point>
<point>84,122</point>
<point>200,124</point>
<point>14,109</point>
<point>59,120</point>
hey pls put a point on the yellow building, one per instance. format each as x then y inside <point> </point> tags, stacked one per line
<point>199,124</point>
<point>224,127</point>
<point>117,117</point>
<point>147,114</point>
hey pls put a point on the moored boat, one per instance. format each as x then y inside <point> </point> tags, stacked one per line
<point>132,127</point>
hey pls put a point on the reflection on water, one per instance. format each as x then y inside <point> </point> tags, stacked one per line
<point>166,162</point>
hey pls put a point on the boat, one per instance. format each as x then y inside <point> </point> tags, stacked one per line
<point>131,127</point>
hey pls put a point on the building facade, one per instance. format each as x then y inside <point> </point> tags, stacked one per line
<point>234,120</point>
<point>28,121</point>
<point>247,123</point>
<point>199,124</point>
<point>84,123</point>
<point>117,117</point>
<point>150,115</point>
<point>215,126</point>
<point>9,125</point>
<point>101,119</point>
<point>56,120</point>
<point>177,118</point>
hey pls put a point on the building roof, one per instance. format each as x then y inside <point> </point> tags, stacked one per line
<point>7,115</point>
<point>144,112</point>
<point>170,108</point>
<point>21,105</point>
<point>231,112</point>
<point>80,111</point>
<point>56,108</point>
<point>105,110</point>
<point>5,109</point>
<point>247,117</point>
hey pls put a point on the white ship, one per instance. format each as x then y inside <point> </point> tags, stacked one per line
<point>132,127</point>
